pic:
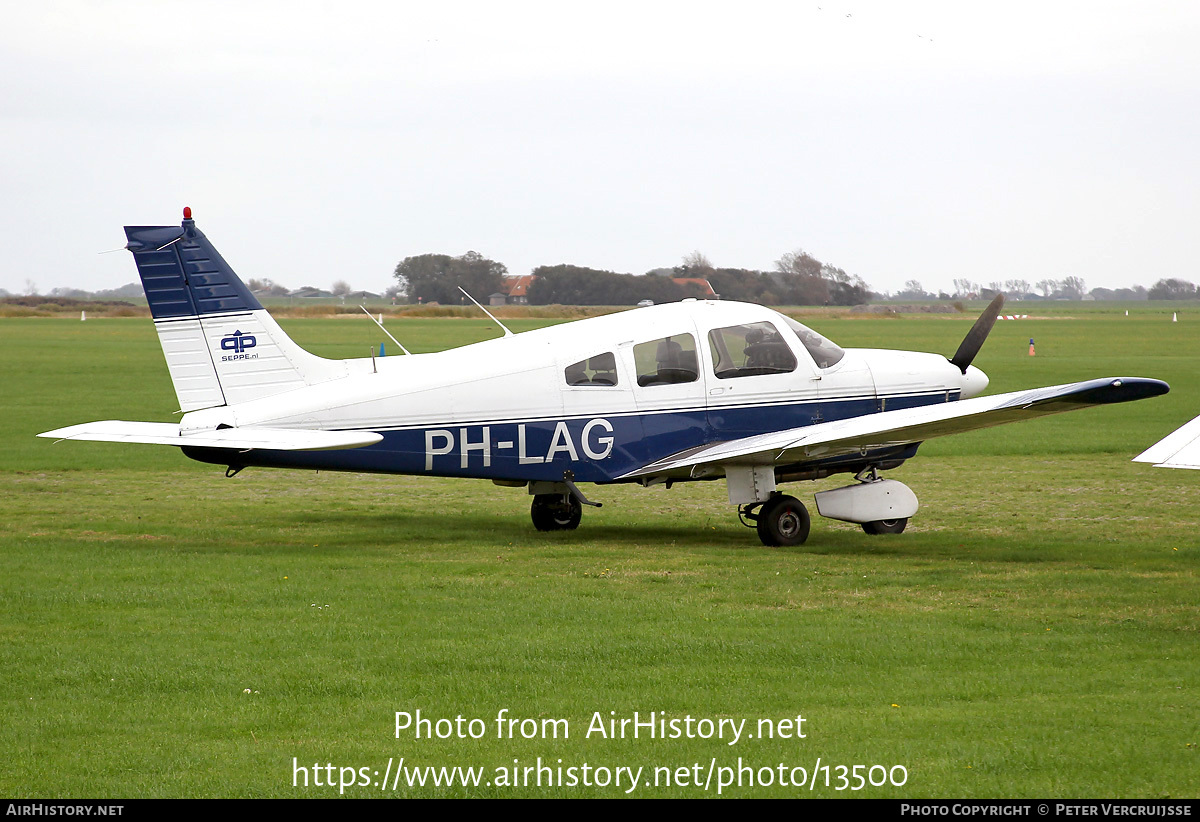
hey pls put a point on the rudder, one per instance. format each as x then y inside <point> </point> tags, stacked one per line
<point>222,347</point>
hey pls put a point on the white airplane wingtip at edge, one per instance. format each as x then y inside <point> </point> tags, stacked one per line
<point>1179,449</point>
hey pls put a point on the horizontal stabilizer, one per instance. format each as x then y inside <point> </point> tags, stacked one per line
<point>1179,449</point>
<point>240,439</point>
<point>905,426</point>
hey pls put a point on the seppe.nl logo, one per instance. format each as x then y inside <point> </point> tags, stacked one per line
<point>238,343</point>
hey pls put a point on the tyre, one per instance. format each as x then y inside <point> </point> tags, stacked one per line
<point>783,521</point>
<point>885,526</point>
<point>554,512</point>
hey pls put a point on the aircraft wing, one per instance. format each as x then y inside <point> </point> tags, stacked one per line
<point>241,439</point>
<point>905,426</point>
<point>1179,449</point>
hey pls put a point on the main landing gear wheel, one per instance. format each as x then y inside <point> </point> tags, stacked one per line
<point>783,521</point>
<point>885,526</point>
<point>555,512</point>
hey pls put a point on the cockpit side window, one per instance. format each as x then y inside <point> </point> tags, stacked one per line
<point>598,370</point>
<point>749,350</point>
<point>667,361</point>
<point>824,352</point>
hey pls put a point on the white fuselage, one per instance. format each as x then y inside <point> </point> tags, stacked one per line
<point>507,408</point>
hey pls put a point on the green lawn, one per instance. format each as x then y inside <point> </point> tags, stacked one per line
<point>1033,633</point>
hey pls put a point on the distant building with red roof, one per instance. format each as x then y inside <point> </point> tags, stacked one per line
<point>516,289</point>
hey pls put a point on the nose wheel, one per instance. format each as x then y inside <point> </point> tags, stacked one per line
<point>782,521</point>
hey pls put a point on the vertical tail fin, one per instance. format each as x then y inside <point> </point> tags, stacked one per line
<point>221,345</point>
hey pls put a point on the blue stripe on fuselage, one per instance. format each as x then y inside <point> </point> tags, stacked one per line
<point>596,449</point>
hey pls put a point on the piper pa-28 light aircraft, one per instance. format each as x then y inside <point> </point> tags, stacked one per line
<point>696,390</point>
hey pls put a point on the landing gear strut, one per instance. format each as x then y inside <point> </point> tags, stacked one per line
<point>555,512</point>
<point>781,521</point>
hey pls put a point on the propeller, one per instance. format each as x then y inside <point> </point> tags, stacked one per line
<point>974,340</point>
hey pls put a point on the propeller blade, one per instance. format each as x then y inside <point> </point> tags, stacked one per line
<point>974,340</point>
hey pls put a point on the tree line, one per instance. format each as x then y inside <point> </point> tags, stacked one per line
<point>798,279</point>
<point>1068,288</point>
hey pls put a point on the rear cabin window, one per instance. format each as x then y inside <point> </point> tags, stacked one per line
<point>667,361</point>
<point>749,350</point>
<point>825,353</point>
<point>598,370</point>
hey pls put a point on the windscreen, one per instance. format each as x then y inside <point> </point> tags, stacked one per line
<point>824,352</point>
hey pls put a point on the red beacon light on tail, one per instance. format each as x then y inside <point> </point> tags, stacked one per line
<point>187,212</point>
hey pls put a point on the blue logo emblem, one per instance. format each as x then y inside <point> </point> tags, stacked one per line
<point>238,343</point>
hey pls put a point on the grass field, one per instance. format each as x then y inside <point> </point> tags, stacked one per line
<point>1032,634</point>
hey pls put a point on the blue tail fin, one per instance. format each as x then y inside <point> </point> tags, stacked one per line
<point>221,345</point>
<point>183,275</point>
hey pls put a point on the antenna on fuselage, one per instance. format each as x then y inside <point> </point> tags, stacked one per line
<point>384,330</point>
<point>507,333</point>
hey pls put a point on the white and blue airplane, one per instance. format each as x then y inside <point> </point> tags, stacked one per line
<point>695,390</point>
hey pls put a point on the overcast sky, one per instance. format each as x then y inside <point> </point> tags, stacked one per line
<point>318,141</point>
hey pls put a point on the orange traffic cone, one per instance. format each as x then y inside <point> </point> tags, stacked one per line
<point>1031,346</point>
